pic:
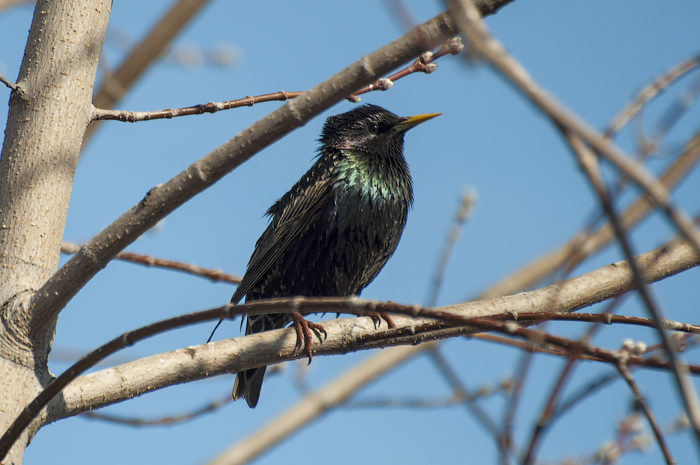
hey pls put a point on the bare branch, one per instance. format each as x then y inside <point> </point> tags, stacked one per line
<point>547,412</point>
<point>648,92</point>
<point>7,83</point>
<point>315,405</point>
<point>585,244</point>
<point>401,14</point>
<point>6,4</point>
<point>641,402</point>
<point>579,251</point>
<point>99,114</point>
<point>423,64</point>
<point>464,212</point>
<point>459,390</point>
<point>355,334</point>
<point>588,163</point>
<point>506,443</point>
<point>416,325</point>
<point>115,85</point>
<point>164,421</point>
<point>147,260</point>
<point>468,19</point>
<point>482,393</point>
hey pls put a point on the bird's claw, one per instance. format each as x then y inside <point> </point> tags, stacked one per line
<point>377,318</point>
<point>303,328</point>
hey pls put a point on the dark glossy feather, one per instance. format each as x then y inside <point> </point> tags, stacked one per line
<point>332,233</point>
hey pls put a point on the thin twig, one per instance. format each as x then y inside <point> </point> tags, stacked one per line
<point>547,412</point>
<point>401,14</point>
<point>423,64</point>
<point>672,115</point>
<point>605,318</point>
<point>585,243</point>
<point>647,146</point>
<point>7,83</point>
<point>482,393</point>
<point>516,344</point>
<point>685,387</point>
<point>619,121</point>
<point>147,260</point>
<point>464,212</point>
<point>641,402</point>
<point>588,336</point>
<point>459,390</point>
<point>523,367</point>
<point>650,91</point>
<point>163,421</point>
<point>99,114</point>
<point>600,382</point>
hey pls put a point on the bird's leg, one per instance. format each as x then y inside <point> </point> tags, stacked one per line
<point>303,328</point>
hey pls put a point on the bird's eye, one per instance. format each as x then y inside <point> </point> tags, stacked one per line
<point>373,128</point>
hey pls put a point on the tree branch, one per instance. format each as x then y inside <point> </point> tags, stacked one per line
<point>151,47</point>
<point>589,165</point>
<point>641,401</point>
<point>233,355</point>
<point>425,63</point>
<point>651,90</point>
<point>9,84</point>
<point>147,260</point>
<point>313,406</point>
<point>583,244</point>
<point>414,325</point>
<point>467,19</point>
<point>577,131</point>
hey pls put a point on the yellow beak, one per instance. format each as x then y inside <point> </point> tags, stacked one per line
<point>410,121</point>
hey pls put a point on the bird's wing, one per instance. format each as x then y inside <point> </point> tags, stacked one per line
<point>292,214</point>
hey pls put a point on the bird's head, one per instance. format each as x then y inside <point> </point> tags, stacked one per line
<point>369,129</point>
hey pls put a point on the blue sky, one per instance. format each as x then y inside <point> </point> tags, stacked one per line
<point>593,55</point>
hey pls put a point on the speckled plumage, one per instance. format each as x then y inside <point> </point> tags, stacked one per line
<point>332,233</point>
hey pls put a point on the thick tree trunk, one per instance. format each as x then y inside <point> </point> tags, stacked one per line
<point>49,112</point>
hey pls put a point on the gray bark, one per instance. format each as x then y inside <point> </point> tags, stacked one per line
<point>49,112</point>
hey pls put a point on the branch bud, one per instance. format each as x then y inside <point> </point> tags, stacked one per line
<point>425,58</point>
<point>429,68</point>
<point>384,84</point>
<point>455,45</point>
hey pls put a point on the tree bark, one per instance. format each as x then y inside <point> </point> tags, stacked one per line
<point>49,112</point>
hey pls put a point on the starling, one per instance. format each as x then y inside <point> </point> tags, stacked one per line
<point>335,229</point>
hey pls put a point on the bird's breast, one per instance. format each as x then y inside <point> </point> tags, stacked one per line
<point>371,205</point>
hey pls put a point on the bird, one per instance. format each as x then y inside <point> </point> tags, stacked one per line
<point>335,229</point>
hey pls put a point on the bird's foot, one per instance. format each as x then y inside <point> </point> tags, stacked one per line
<point>377,318</point>
<point>303,328</point>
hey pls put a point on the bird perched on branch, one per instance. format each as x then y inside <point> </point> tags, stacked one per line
<point>335,229</point>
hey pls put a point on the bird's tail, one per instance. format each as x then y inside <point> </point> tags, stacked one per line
<point>249,382</point>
